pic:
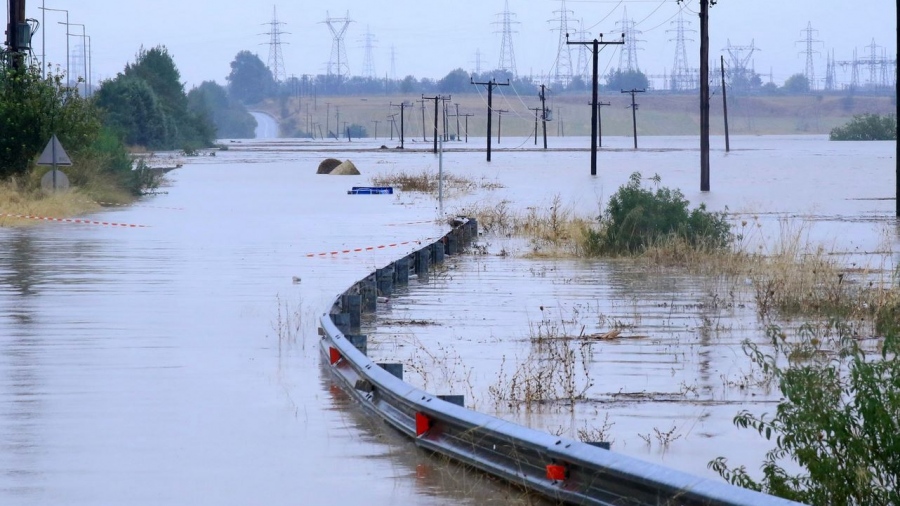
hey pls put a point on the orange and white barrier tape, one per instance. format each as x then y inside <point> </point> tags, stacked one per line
<point>72,220</point>
<point>367,248</point>
<point>115,204</point>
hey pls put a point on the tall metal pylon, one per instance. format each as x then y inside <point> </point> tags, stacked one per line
<point>562,68</point>
<point>830,81</point>
<point>368,41</point>
<point>738,70</point>
<point>337,62</point>
<point>628,55</point>
<point>393,63</point>
<point>583,62</point>
<point>507,53</point>
<point>477,61</point>
<point>276,60</point>
<point>682,76</point>
<point>810,42</point>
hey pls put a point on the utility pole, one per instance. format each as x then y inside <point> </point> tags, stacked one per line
<point>536,110</point>
<point>337,114</point>
<point>595,50</point>
<point>467,115</point>
<point>15,42</point>
<point>704,97</point>
<point>436,98</point>
<point>500,122</point>
<point>634,112</point>
<point>446,121</point>
<point>346,129</point>
<point>402,106</point>
<point>544,113</point>
<point>458,137</point>
<point>393,123</point>
<point>600,123</point>
<point>490,87</point>
<point>725,107</point>
<point>376,128</point>
<point>423,119</point>
<point>328,117</point>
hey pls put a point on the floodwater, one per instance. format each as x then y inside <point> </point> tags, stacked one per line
<point>178,363</point>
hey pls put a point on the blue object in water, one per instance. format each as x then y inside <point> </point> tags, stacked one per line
<point>371,190</point>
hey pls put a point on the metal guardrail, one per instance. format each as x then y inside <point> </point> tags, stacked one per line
<point>560,468</point>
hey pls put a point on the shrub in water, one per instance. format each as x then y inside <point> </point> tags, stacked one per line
<point>637,217</point>
<point>867,127</point>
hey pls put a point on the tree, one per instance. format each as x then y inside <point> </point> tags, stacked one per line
<point>250,81</point>
<point>796,84</point>
<point>867,127</point>
<point>837,419</point>
<point>409,85</point>
<point>627,80</point>
<point>134,111</point>
<point>231,119</point>
<point>456,81</point>
<point>157,68</point>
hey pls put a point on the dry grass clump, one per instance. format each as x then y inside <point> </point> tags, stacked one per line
<point>17,198</point>
<point>427,181</point>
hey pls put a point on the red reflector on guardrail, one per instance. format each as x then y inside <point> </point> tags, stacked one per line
<point>334,355</point>
<point>556,472</point>
<point>423,423</point>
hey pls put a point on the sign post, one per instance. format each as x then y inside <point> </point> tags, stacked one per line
<point>54,155</point>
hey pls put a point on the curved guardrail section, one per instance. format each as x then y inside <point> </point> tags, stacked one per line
<point>563,469</point>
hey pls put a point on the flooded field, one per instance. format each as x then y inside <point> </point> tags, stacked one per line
<point>177,363</point>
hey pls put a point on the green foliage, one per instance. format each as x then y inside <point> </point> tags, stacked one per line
<point>32,109</point>
<point>231,119</point>
<point>637,217</point>
<point>457,81</point>
<point>147,105</point>
<point>838,419</point>
<point>867,127</point>
<point>627,80</point>
<point>250,80</point>
<point>797,83</point>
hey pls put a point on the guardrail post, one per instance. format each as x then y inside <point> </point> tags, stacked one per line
<point>452,243</point>
<point>341,321</point>
<point>401,271</point>
<point>354,308</point>
<point>369,294</point>
<point>394,369</point>
<point>437,252</point>
<point>422,257</point>
<point>385,279</point>
<point>358,341</point>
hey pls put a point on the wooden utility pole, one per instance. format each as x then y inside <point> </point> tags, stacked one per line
<point>13,37</point>
<point>423,119</point>
<point>436,98</point>
<point>376,128</point>
<point>467,115</point>
<point>600,123</point>
<point>704,94</point>
<point>634,108</point>
<point>536,110</point>
<point>725,107</point>
<point>595,50</point>
<point>458,137</point>
<point>490,87</point>
<point>402,106</point>
<point>500,122</point>
<point>544,113</point>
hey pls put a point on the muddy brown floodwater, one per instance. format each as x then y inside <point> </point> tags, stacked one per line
<point>178,363</point>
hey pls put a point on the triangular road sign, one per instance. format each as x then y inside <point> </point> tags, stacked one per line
<point>54,154</point>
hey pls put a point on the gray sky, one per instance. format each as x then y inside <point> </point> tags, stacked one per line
<point>432,38</point>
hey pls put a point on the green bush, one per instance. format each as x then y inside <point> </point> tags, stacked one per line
<point>867,127</point>
<point>637,217</point>
<point>838,419</point>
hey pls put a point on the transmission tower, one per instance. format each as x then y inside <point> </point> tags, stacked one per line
<point>507,54</point>
<point>682,76</point>
<point>368,41</point>
<point>276,61</point>
<point>830,81</point>
<point>628,56</point>
<point>739,56</point>
<point>337,63</point>
<point>810,42</point>
<point>562,69</point>
<point>477,62</point>
<point>583,65</point>
<point>393,63</point>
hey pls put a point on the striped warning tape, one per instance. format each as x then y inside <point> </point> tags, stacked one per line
<point>72,220</point>
<point>367,248</point>
<point>116,204</point>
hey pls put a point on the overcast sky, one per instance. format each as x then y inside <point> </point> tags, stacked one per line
<point>432,38</point>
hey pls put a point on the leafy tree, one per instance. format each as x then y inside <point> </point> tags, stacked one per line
<point>409,85</point>
<point>250,80</point>
<point>457,81</point>
<point>133,109</point>
<point>838,419</point>
<point>637,217</point>
<point>627,80</point>
<point>867,127</point>
<point>231,119</point>
<point>797,84</point>
<point>32,109</point>
<point>157,68</point>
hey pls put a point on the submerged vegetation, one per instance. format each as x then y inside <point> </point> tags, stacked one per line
<point>867,127</point>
